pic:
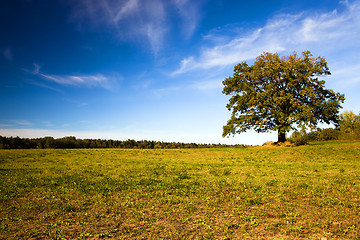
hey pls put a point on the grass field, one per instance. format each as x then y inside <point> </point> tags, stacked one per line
<point>306,192</point>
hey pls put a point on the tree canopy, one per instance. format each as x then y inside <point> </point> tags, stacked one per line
<point>279,94</point>
<point>350,122</point>
<point>72,142</point>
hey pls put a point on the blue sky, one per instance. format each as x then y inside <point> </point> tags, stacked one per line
<point>138,69</point>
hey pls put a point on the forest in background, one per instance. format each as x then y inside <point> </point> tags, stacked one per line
<point>348,129</point>
<point>73,142</point>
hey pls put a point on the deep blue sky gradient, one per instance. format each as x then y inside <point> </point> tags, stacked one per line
<point>153,69</point>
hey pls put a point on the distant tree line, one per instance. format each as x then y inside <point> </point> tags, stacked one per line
<point>73,142</point>
<point>348,129</point>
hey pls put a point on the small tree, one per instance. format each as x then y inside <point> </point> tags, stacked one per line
<point>349,122</point>
<point>349,125</point>
<point>279,94</point>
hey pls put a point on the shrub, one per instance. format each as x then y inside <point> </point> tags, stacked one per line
<point>349,126</point>
<point>299,138</point>
<point>329,134</point>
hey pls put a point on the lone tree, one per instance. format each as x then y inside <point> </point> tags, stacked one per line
<point>279,94</point>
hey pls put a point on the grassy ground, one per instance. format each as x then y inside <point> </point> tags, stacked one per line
<point>307,192</point>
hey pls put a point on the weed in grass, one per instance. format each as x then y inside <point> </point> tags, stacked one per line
<point>104,235</point>
<point>278,224</point>
<point>272,183</point>
<point>253,201</point>
<point>85,235</point>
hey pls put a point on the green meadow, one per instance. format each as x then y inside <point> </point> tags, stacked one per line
<point>305,192</point>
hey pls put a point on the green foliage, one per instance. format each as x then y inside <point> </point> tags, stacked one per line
<point>350,125</point>
<point>72,142</point>
<point>279,94</point>
<point>348,129</point>
<point>349,122</point>
<point>328,134</point>
<point>299,138</point>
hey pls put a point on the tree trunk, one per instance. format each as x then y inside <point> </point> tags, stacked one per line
<point>281,136</point>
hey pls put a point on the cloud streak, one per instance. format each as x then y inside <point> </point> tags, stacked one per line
<point>189,13</point>
<point>11,123</point>
<point>79,80</point>
<point>108,82</point>
<point>330,31</point>
<point>209,85</point>
<point>135,20</point>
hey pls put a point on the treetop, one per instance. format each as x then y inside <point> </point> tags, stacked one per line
<point>280,93</point>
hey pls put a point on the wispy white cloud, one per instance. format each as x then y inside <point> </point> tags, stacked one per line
<point>188,10</point>
<point>36,68</point>
<point>162,92</point>
<point>21,122</point>
<point>15,123</point>
<point>238,49</point>
<point>346,74</point>
<point>48,124</point>
<point>42,85</point>
<point>215,84</point>
<point>330,31</point>
<point>128,20</point>
<point>109,82</point>
<point>79,80</point>
<point>127,9</point>
<point>83,104</point>
<point>135,20</point>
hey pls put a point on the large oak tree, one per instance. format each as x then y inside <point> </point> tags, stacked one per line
<point>279,94</point>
